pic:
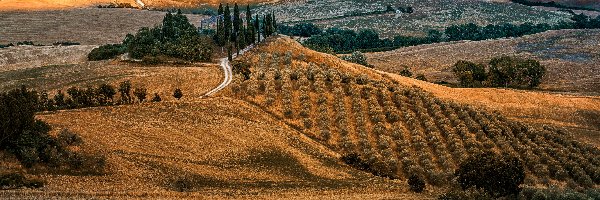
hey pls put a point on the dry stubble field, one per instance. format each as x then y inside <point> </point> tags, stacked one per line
<point>84,25</point>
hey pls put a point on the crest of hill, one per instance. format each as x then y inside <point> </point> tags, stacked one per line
<point>398,129</point>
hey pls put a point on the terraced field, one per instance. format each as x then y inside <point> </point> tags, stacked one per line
<point>429,14</point>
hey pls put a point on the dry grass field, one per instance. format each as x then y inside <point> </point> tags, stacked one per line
<point>212,148</point>
<point>85,25</point>
<point>570,56</point>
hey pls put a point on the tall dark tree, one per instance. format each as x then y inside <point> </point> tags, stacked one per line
<point>220,27</point>
<point>242,39</point>
<point>273,23</point>
<point>237,23</point>
<point>257,28</point>
<point>250,35</point>
<point>227,22</point>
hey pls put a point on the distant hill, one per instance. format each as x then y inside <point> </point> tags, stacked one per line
<point>66,4</point>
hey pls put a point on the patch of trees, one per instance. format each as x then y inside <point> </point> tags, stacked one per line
<point>27,138</point>
<point>358,58</point>
<point>65,43</point>
<point>176,37</point>
<point>233,34</point>
<point>498,175</point>
<point>501,72</point>
<point>108,51</point>
<point>345,41</point>
<point>549,4</point>
<point>302,30</point>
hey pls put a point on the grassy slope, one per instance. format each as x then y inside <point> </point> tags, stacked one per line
<point>569,56</point>
<point>84,25</point>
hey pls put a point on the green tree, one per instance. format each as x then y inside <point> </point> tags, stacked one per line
<point>227,22</point>
<point>140,93</point>
<point>106,93</point>
<point>508,71</point>
<point>221,35</point>
<point>237,23</point>
<point>257,28</point>
<point>498,175</point>
<point>358,58</point>
<point>125,92</point>
<point>250,33</point>
<point>177,93</point>
<point>469,74</point>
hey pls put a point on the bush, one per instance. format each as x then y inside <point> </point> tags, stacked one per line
<point>177,94</point>
<point>140,93</point>
<point>65,43</point>
<point>104,52</point>
<point>18,180</point>
<point>358,58</point>
<point>156,98</point>
<point>406,72</point>
<point>416,183</point>
<point>497,175</point>
<point>421,77</point>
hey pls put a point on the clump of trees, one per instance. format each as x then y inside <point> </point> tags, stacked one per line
<point>233,34</point>
<point>358,58</point>
<point>302,30</point>
<point>498,175</point>
<point>502,71</point>
<point>176,37</point>
<point>27,138</point>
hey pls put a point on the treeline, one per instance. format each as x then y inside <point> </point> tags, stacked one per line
<point>102,95</point>
<point>501,72</point>
<point>549,4</point>
<point>336,40</point>
<point>232,33</point>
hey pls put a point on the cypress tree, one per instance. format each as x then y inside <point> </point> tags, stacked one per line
<point>242,38</point>
<point>273,22</point>
<point>220,28</point>
<point>227,21</point>
<point>236,23</point>
<point>249,26</point>
<point>257,28</point>
<point>265,27</point>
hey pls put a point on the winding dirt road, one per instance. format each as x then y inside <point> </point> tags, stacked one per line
<point>228,73</point>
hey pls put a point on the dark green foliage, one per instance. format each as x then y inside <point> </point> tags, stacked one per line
<point>105,94</point>
<point>156,98</point>
<point>515,72</point>
<point>25,43</point>
<point>421,77</point>
<point>176,38</point>
<point>469,74</point>
<point>140,93</point>
<point>416,183</point>
<point>345,41</point>
<point>406,72</point>
<point>358,58</point>
<point>65,43</point>
<point>302,29</point>
<point>18,180</point>
<point>177,93</point>
<point>548,4</point>
<point>125,92</point>
<point>227,23</point>
<point>498,175</point>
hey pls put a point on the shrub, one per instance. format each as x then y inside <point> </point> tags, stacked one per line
<point>406,72</point>
<point>416,183</point>
<point>177,93</point>
<point>421,77</point>
<point>140,93</point>
<point>156,98</point>
<point>104,52</point>
<point>125,92</point>
<point>358,58</point>
<point>497,175</point>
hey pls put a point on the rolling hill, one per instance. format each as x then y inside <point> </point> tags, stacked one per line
<point>397,128</point>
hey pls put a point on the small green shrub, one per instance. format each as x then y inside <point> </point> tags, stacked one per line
<point>108,51</point>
